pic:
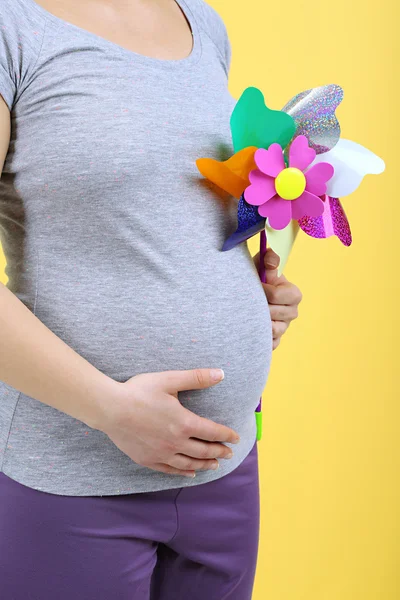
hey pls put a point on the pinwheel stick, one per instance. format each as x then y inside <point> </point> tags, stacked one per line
<point>262,274</point>
<point>263,251</point>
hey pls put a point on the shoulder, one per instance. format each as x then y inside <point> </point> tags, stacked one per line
<point>21,12</point>
<point>212,24</point>
<point>21,21</point>
<point>22,28</point>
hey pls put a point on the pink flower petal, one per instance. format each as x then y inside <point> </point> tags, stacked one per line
<point>278,211</point>
<point>317,177</point>
<point>300,155</point>
<point>307,205</point>
<point>262,188</point>
<point>271,161</point>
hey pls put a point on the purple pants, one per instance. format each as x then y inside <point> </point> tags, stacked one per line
<point>197,543</point>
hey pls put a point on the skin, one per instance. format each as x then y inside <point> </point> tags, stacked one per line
<point>283,296</point>
<point>155,28</point>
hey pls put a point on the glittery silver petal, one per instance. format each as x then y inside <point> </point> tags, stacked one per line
<point>314,114</point>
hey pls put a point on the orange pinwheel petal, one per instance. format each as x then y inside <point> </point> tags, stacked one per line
<point>231,175</point>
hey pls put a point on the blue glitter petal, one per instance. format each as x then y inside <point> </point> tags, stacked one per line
<point>250,222</point>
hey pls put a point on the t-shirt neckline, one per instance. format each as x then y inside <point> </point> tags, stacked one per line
<point>186,62</point>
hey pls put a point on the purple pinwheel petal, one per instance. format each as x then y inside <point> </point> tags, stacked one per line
<point>271,161</point>
<point>317,177</point>
<point>341,227</point>
<point>333,221</point>
<point>262,188</point>
<point>300,155</point>
<point>278,211</point>
<point>250,222</point>
<point>307,205</point>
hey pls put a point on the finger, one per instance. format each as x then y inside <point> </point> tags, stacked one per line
<point>271,272</point>
<point>187,463</point>
<point>190,379</point>
<point>281,312</point>
<point>272,277</point>
<point>204,429</point>
<point>205,450</point>
<point>278,329</point>
<point>287,293</point>
<point>163,468</point>
<point>276,343</point>
<point>271,259</point>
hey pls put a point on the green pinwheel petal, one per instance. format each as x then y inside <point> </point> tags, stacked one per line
<point>254,124</point>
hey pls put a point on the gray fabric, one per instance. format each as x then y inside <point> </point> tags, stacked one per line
<point>113,239</point>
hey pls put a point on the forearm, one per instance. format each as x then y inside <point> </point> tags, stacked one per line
<point>39,364</point>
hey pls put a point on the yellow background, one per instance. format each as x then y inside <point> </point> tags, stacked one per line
<point>329,457</point>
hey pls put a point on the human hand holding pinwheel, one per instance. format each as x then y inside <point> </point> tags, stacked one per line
<point>288,171</point>
<point>283,296</point>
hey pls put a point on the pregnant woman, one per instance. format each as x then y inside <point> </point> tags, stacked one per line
<point>120,309</point>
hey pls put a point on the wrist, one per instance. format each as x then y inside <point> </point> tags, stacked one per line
<point>107,396</point>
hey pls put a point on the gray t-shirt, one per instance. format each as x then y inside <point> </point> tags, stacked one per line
<point>113,238</point>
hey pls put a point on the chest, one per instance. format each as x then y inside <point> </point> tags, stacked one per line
<point>93,108</point>
<point>155,29</point>
<point>98,123</point>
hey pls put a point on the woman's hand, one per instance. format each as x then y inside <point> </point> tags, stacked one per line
<point>283,297</point>
<point>146,421</point>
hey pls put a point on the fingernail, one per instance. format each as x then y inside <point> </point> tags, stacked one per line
<point>191,476</point>
<point>229,455</point>
<point>236,441</point>
<point>217,374</point>
<point>215,466</point>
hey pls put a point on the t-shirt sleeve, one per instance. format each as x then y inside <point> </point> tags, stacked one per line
<point>7,77</point>
<point>21,35</point>
<point>213,25</point>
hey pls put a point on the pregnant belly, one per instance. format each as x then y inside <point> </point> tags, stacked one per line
<point>139,324</point>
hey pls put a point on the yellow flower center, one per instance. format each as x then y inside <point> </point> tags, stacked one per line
<point>290,183</point>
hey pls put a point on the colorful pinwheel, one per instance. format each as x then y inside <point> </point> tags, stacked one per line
<point>289,169</point>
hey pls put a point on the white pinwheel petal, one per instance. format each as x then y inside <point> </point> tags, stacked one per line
<point>351,162</point>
